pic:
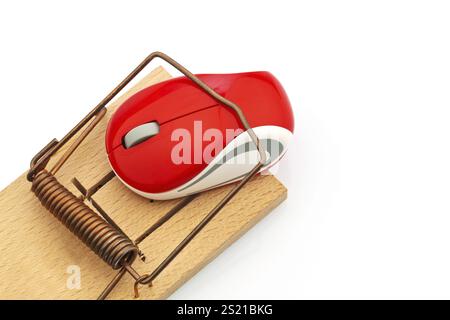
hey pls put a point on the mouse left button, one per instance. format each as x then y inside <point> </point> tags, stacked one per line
<point>140,134</point>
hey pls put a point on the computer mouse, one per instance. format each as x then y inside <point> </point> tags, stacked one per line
<point>172,139</point>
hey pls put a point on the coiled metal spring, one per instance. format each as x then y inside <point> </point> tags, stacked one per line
<point>115,248</point>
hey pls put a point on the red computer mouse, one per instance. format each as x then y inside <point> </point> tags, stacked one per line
<point>172,139</point>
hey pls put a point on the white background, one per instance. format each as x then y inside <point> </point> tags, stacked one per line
<point>368,213</point>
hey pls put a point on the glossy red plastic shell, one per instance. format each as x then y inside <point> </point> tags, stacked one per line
<point>176,104</point>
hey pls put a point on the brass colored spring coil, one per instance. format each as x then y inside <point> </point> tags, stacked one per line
<point>112,246</point>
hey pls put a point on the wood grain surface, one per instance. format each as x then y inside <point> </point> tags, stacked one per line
<point>38,252</point>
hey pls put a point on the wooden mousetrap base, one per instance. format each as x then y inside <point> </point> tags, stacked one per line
<point>39,255</point>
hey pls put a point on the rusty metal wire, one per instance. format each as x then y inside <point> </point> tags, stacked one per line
<point>106,240</point>
<point>108,243</point>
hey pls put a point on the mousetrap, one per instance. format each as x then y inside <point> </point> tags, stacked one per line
<point>133,247</point>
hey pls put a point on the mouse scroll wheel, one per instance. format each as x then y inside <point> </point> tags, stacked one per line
<point>140,134</point>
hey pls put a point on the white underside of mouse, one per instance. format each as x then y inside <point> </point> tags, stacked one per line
<point>236,160</point>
